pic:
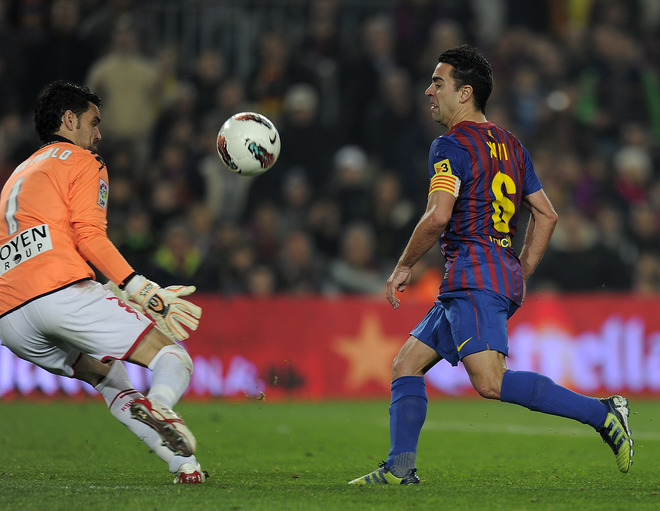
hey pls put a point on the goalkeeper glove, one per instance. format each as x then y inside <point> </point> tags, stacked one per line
<point>165,306</point>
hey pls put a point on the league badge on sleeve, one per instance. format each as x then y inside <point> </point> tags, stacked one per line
<point>103,194</point>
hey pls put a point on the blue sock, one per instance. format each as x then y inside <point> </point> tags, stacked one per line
<point>540,394</point>
<point>407,415</point>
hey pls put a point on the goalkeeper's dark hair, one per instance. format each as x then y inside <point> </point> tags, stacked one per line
<point>55,99</point>
<point>470,68</point>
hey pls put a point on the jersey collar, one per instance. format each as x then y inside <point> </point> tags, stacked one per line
<point>52,139</point>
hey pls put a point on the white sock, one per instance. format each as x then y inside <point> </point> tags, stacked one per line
<point>171,372</point>
<point>118,392</point>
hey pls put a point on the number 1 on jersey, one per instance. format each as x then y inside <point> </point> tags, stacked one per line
<point>12,207</point>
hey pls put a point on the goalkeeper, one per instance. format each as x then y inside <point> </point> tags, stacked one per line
<point>52,311</point>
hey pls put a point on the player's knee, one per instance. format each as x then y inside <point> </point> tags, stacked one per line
<point>177,351</point>
<point>487,391</point>
<point>395,371</point>
<point>488,386</point>
<point>398,365</point>
<point>402,366</point>
<point>187,360</point>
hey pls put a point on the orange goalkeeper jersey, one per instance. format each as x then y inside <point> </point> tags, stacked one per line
<point>55,219</point>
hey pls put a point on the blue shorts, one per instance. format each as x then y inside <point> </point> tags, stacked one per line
<point>465,322</point>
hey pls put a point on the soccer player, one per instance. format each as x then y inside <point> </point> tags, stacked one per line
<point>52,312</point>
<point>480,176</point>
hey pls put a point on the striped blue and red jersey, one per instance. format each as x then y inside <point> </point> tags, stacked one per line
<point>494,173</point>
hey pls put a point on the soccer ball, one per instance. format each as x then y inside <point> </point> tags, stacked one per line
<point>248,143</point>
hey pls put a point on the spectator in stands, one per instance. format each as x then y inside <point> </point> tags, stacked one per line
<point>176,258</point>
<point>372,57</point>
<point>306,141</point>
<point>59,50</point>
<point>230,98</point>
<point>234,277</point>
<point>356,270</point>
<point>262,282</point>
<point>272,73</point>
<point>176,121</point>
<point>633,176</point>
<point>137,240</point>
<point>296,199</point>
<point>97,27</point>
<point>131,106</point>
<point>614,235</point>
<point>300,268</point>
<point>266,230</point>
<point>617,87</point>
<point>325,225</point>
<point>392,129</point>
<point>319,55</point>
<point>392,216</point>
<point>646,274</point>
<point>644,222</point>
<point>577,261</point>
<point>349,185</point>
<point>207,74</point>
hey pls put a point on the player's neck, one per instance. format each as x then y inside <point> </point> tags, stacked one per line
<point>467,116</point>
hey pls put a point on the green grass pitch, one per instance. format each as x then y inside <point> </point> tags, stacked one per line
<point>473,455</point>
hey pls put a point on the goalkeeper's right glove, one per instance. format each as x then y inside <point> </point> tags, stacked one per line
<point>170,312</point>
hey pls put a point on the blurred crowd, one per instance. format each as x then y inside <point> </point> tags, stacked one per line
<point>577,81</point>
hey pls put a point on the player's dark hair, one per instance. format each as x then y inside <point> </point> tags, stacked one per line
<point>470,68</point>
<point>55,99</point>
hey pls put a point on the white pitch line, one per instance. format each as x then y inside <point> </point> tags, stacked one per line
<point>517,429</point>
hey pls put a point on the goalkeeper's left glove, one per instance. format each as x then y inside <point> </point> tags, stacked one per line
<point>165,306</point>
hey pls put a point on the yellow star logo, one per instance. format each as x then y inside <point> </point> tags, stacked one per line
<point>369,354</point>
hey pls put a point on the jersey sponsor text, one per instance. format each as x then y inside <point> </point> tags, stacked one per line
<point>25,245</point>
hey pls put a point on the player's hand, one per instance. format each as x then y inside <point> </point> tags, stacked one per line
<point>165,306</point>
<point>398,281</point>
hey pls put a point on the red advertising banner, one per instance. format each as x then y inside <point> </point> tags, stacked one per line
<point>342,348</point>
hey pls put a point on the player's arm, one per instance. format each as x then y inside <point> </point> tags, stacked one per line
<point>428,230</point>
<point>88,201</point>
<point>541,224</point>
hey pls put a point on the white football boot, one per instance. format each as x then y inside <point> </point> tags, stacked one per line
<point>169,425</point>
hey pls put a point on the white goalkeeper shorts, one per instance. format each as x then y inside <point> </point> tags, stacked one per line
<point>54,330</point>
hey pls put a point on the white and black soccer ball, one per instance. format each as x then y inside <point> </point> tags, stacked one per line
<point>248,143</point>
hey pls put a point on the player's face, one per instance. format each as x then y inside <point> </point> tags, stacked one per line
<point>443,95</point>
<point>86,133</point>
